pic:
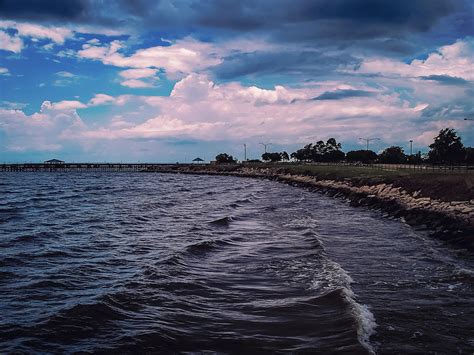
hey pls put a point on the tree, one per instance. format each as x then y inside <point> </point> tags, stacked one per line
<point>446,148</point>
<point>274,157</point>
<point>469,155</point>
<point>415,158</point>
<point>303,154</point>
<point>224,158</point>
<point>320,151</point>
<point>271,157</point>
<point>393,155</point>
<point>363,156</point>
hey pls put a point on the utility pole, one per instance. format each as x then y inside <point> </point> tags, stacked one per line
<point>367,140</point>
<point>411,147</point>
<point>245,152</point>
<point>265,145</point>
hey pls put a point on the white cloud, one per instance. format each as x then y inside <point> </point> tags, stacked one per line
<point>200,109</point>
<point>135,83</point>
<point>138,73</point>
<point>55,34</point>
<point>10,43</point>
<point>65,78</point>
<point>183,57</point>
<point>101,99</point>
<point>45,130</point>
<point>4,71</point>
<point>456,60</point>
<point>65,74</point>
<point>139,78</point>
<point>66,105</point>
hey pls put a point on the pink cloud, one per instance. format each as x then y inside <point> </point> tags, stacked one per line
<point>10,43</point>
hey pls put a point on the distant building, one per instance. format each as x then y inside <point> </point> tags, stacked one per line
<point>198,160</point>
<point>54,162</point>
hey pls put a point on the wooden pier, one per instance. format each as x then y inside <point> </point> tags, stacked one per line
<point>86,167</point>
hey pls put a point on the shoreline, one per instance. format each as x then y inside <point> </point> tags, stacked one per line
<point>446,219</point>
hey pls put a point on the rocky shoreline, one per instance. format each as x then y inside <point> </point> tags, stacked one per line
<point>450,221</point>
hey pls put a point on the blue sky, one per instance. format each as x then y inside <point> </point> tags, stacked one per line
<point>166,81</point>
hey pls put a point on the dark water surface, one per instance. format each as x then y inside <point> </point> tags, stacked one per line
<point>162,263</point>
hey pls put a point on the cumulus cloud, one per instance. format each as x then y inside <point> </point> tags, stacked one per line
<point>46,130</point>
<point>201,109</point>
<point>4,71</point>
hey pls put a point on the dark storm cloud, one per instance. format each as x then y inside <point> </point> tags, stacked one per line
<point>293,19</point>
<point>343,94</point>
<point>398,28</point>
<point>295,63</point>
<point>42,10</point>
<point>445,79</point>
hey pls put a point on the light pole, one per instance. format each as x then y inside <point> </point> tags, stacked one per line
<point>245,152</point>
<point>265,145</point>
<point>367,140</point>
<point>411,147</point>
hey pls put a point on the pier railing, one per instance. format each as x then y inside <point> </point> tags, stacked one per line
<point>154,167</point>
<point>86,167</point>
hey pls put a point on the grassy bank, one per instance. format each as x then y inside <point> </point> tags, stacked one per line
<point>442,186</point>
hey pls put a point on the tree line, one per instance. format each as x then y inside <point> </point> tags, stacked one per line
<point>447,148</point>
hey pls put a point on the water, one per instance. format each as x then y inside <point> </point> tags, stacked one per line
<point>160,263</point>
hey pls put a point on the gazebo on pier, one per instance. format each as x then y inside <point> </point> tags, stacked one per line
<point>198,160</point>
<point>54,162</point>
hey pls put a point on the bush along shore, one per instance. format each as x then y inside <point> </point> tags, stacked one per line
<point>443,205</point>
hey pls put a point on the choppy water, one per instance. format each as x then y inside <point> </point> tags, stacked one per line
<point>161,263</point>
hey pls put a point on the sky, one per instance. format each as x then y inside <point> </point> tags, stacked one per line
<point>168,81</point>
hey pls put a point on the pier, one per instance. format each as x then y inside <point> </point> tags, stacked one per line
<point>85,167</point>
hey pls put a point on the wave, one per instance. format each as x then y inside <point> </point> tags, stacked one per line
<point>54,254</point>
<point>205,246</point>
<point>335,277</point>
<point>225,221</point>
<point>10,213</point>
<point>48,284</point>
<point>32,238</point>
<point>365,320</point>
